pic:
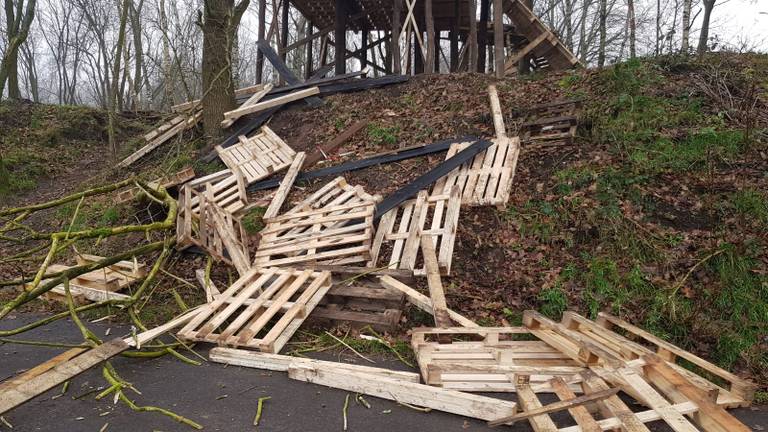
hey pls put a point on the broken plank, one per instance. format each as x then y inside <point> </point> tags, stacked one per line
<point>496,112</point>
<point>613,404</point>
<point>280,362</point>
<point>530,402</point>
<point>278,101</point>
<point>256,97</point>
<point>579,413</point>
<point>322,152</point>
<point>555,407</point>
<point>285,186</point>
<point>25,390</point>
<point>450,401</point>
<point>436,293</point>
<point>283,70</point>
<point>423,302</point>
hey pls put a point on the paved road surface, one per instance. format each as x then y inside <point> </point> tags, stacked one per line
<point>219,398</point>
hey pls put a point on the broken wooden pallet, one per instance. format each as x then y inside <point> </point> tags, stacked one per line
<point>486,358</point>
<point>337,192</point>
<point>360,303</point>
<point>487,178</point>
<point>257,156</point>
<point>398,237</point>
<point>594,345</point>
<point>225,188</point>
<point>162,134</point>
<point>213,229</point>
<point>241,315</point>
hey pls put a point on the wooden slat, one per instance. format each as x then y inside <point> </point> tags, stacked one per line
<point>421,301</point>
<point>579,413</point>
<point>555,407</point>
<point>436,293</point>
<point>278,101</point>
<point>285,186</point>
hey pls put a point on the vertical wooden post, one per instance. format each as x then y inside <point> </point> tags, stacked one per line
<point>310,43</point>
<point>453,35</point>
<point>429,19</point>
<point>482,37</point>
<point>323,51</point>
<point>284,29</point>
<point>388,54</point>
<point>498,38</point>
<point>340,37</point>
<point>261,34</point>
<point>437,51</point>
<point>364,38</point>
<point>394,42</point>
<point>418,58</point>
<point>472,39</point>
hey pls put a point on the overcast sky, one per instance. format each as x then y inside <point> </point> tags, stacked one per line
<point>733,19</point>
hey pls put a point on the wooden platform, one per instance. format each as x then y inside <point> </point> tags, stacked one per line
<point>486,179</point>
<point>261,310</point>
<point>398,237</point>
<point>257,156</point>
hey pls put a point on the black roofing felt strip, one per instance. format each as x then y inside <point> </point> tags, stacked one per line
<point>411,189</point>
<point>365,163</point>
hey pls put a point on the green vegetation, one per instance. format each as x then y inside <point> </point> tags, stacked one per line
<point>751,204</point>
<point>382,135</point>
<point>553,302</point>
<point>252,221</point>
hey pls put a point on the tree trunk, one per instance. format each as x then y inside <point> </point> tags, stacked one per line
<point>658,27</point>
<point>498,38</point>
<point>472,39</point>
<point>16,33</point>
<point>114,88</point>
<point>686,25</point>
<point>261,33</point>
<point>603,16</point>
<point>704,35</point>
<point>429,18</point>
<point>220,21</point>
<point>482,37</point>
<point>632,28</point>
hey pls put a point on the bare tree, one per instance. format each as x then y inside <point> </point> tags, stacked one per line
<point>704,35</point>
<point>219,21</point>
<point>632,24</point>
<point>686,25</point>
<point>18,20</point>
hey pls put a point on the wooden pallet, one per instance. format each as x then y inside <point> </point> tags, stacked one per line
<point>258,156</point>
<point>225,188</point>
<point>486,359</point>
<point>242,314</point>
<point>217,231</point>
<point>487,178</point>
<point>337,192</point>
<point>98,285</point>
<point>591,344</point>
<point>361,303</point>
<point>166,182</point>
<point>398,237</point>
<point>336,234</point>
<point>162,134</point>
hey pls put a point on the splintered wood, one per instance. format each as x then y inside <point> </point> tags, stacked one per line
<point>261,310</point>
<point>580,356</point>
<point>398,237</point>
<point>258,156</point>
<point>487,178</point>
<point>333,226</point>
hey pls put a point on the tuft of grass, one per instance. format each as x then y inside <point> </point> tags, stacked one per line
<point>750,204</point>
<point>553,302</point>
<point>253,221</point>
<point>603,286</point>
<point>382,135</point>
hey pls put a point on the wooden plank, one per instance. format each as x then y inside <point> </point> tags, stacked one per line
<point>450,401</point>
<point>710,416</point>
<point>285,186</point>
<point>496,112</point>
<point>283,70</point>
<point>40,369</point>
<point>229,120</point>
<point>655,401</point>
<point>16,395</point>
<point>191,121</point>
<point>614,423</point>
<point>579,413</point>
<point>436,293</point>
<point>281,363</point>
<point>278,101</point>
<point>423,302</point>
<point>530,402</point>
<point>322,152</point>
<point>614,405</point>
<point>555,407</point>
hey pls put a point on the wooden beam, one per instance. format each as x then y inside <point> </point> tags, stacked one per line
<point>330,146</point>
<point>579,413</point>
<point>471,43</point>
<point>262,25</point>
<point>498,38</point>
<point>423,302</point>
<point>340,36</point>
<point>450,401</point>
<point>614,405</point>
<point>395,40</point>
<point>436,293</point>
<point>308,64</point>
<point>286,8</point>
<point>498,115</point>
<point>285,186</point>
<point>482,37</point>
<point>255,98</point>
<point>555,407</point>
<point>278,101</point>
<point>282,363</point>
<point>530,402</point>
<point>429,18</point>
<point>520,55</point>
<point>283,71</point>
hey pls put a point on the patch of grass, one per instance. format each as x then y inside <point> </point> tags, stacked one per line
<point>252,221</point>
<point>750,204</point>
<point>382,134</point>
<point>694,152</point>
<point>553,302</point>
<point>603,286</point>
